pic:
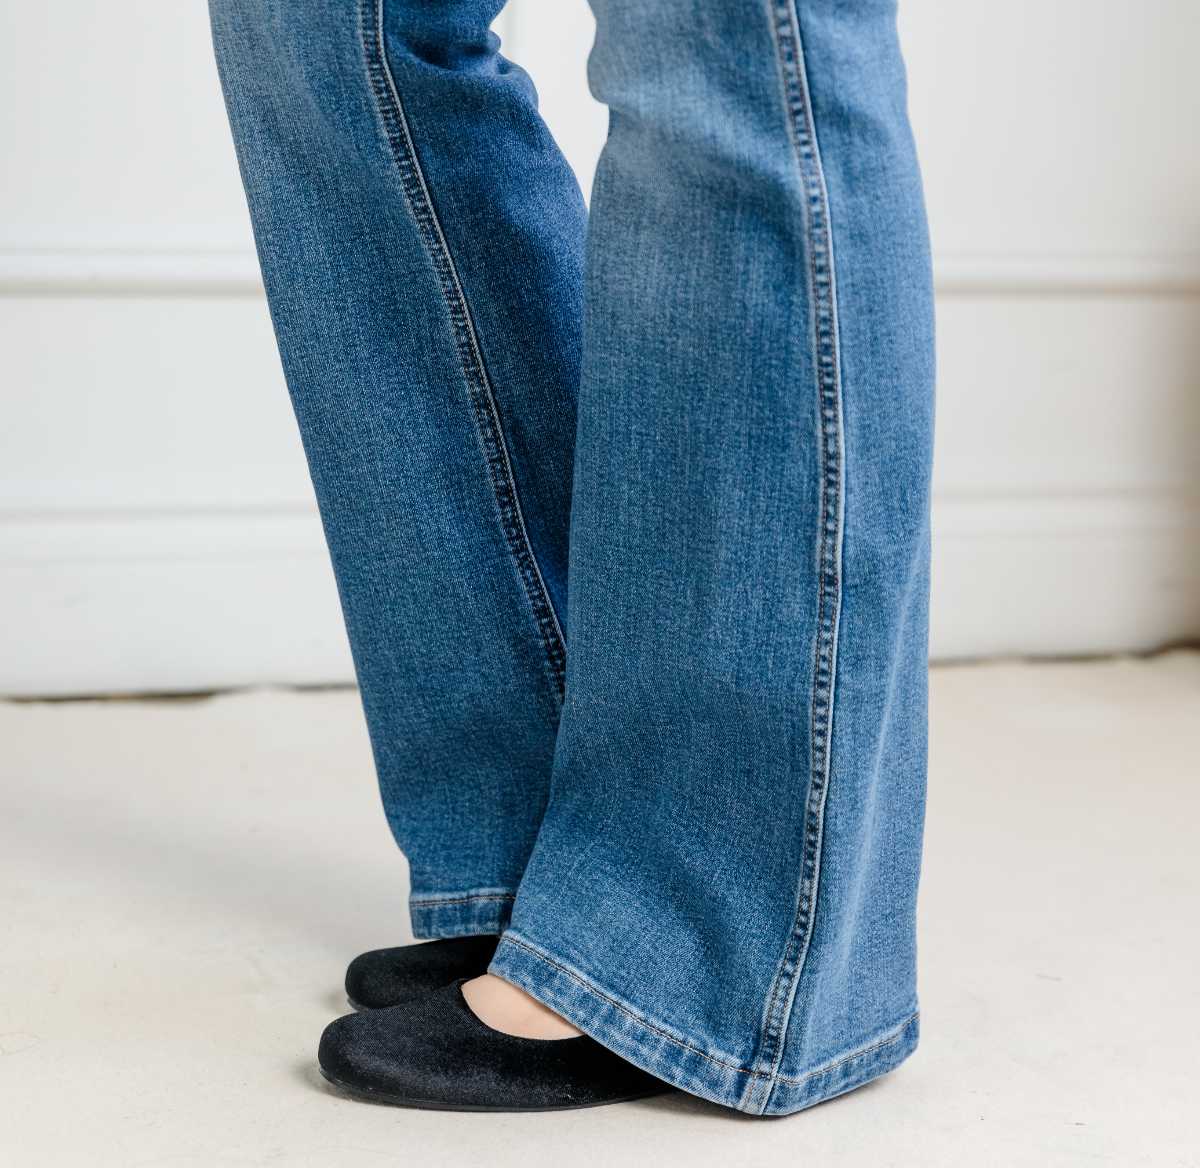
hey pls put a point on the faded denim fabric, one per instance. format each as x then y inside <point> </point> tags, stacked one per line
<point>628,510</point>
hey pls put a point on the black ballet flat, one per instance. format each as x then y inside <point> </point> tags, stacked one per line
<point>384,977</point>
<point>431,1052</point>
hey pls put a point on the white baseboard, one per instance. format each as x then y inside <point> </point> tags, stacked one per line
<point>158,601</point>
<point>1050,574</point>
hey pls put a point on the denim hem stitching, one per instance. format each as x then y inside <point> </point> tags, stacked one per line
<point>468,898</point>
<point>583,982</point>
<point>483,401</point>
<point>785,24</point>
<point>889,1037</point>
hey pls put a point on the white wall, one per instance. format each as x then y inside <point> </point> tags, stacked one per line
<point>156,525</point>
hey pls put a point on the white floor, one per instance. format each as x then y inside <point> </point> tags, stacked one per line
<point>181,883</point>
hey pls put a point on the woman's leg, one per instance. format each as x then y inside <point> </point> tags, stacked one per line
<point>421,239</point>
<point>724,884</point>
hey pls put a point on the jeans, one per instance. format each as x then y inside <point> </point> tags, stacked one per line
<point>628,507</point>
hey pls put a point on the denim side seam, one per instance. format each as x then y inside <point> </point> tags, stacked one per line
<point>785,24</point>
<point>470,913</point>
<point>397,131</point>
<point>716,1077</point>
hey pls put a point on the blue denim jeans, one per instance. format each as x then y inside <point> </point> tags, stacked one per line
<point>628,508</point>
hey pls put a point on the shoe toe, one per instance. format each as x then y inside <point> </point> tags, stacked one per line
<point>345,1053</point>
<point>368,985</point>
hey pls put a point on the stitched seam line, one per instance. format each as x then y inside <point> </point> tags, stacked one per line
<point>889,1039</point>
<point>483,401</point>
<point>822,291</point>
<point>509,936</point>
<point>438,901</point>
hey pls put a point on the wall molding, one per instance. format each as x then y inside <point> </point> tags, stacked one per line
<point>168,601</point>
<point>126,597</point>
<point>233,271</point>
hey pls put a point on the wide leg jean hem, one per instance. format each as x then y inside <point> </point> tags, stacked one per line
<point>683,1063</point>
<point>475,913</point>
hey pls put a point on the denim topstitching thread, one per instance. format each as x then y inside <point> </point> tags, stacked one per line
<point>487,417</point>
<point>889,1038</point>
<point>511,938</point>
<point>438,901</point>
<point>785,25</point>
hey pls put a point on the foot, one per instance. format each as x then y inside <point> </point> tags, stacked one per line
<point>499,1004</point>
<point>431,1051</point>
<point>384,977</point>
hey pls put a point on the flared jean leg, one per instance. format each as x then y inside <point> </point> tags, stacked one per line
<point>714,843</point>
<point>421,240</point>
<point>723,887</point>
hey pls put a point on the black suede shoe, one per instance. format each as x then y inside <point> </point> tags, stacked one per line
<point>384,977</point>
<point>432,1052</point>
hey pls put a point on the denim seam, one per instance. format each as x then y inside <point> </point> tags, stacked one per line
<point>488,426</point>
<point>785,25</point>
<point>889,1037</point>
<point>585,984</point>
<point>470,898</point>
